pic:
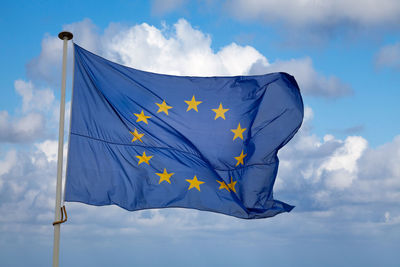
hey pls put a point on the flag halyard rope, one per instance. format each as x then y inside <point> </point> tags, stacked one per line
<point>63,220</point>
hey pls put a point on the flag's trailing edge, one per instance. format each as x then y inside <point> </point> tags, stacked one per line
<point>143,140</point>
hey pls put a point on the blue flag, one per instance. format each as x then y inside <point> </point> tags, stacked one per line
<point>143,140</point>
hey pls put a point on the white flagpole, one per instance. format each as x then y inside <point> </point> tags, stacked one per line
<point>65,36</point>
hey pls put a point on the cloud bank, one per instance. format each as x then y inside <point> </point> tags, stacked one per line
<point>180,50</point>
<point>328,13</point>
<point>345,185</point>
<point>339,186</point>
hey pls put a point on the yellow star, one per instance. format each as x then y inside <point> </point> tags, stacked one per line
<point>165,176</point>
<point>220,112</point>
<point>194,183</point>
<point>144,158</point>
<point>238,132</point>
<point>240,158</point>
<point>163,107</point>
<point>142,117</point>
<point>192,104</point>
<point>232,185</point>
<point>136,136</point>
<point>223,185</point>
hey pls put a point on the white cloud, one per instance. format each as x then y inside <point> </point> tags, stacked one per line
<point>8,163</point>
<point>27,188</point>
<point>34,99</point>
<point>21,129</point>
<point>184,50</point>
<point>240,59</point>
<point>47,66</point>
<point>331,163</point>
<point>388,56</point>
<point>327,13</point>
<point>28,125</point>
<point>324,177</point>
<point>327,179</point>
<point>333,175</point>
<point>387,216</point>
<point>341,168</point>
<point>310,81</point>
<point>31,119</point>
<point>49,148</point>
<point>85,33</point>
<point>381,166</point>
<point>188,52</point>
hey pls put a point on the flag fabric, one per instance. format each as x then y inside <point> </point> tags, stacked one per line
<point>143,140</point>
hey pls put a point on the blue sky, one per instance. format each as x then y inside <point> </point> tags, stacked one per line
<point>341,170</point>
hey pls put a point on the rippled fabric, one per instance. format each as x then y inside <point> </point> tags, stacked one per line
<point>143,140</point>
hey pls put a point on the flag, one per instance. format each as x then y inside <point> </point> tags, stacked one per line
<point>142,140</point>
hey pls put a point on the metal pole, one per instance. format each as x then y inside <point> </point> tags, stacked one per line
<point>65,36</point>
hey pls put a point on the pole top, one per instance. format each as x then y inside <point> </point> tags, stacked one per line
<point>67,35</point>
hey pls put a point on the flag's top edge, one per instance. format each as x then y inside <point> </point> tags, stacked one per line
<point>183,76</point>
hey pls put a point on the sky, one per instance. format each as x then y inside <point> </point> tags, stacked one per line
<point>341,170</point>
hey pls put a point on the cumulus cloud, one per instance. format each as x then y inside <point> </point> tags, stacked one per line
<point>388,56</point>
<point>49,148</point>
<point>8,162</point>
<point>27,188</point>
<point>32,98</point>
<point>345,177</point>
<point>338,186</point>
<point>29,122</point>
<point>21,129</point>
<point>328,13</point>
<point>27,195</point>
<point>310,81</point>
<point>326,178</point>
<point>341,168</point>
<point>184,50</point>
<point>46,67</point>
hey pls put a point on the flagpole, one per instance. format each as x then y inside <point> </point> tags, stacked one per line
<point>65,36</point>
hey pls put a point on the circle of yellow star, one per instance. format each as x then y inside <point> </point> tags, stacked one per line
<point>136,136</point>
<point>163,107</point>
<point>220,112</point>
<point>194,183</point>
<point>142,117</point>
<point>144,158</point>
<point>192,104</point>
<point>240,158</point>
<point>238,132</point>
<point>165,176</point>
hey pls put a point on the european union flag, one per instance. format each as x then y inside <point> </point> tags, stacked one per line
<point>143,140</point>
